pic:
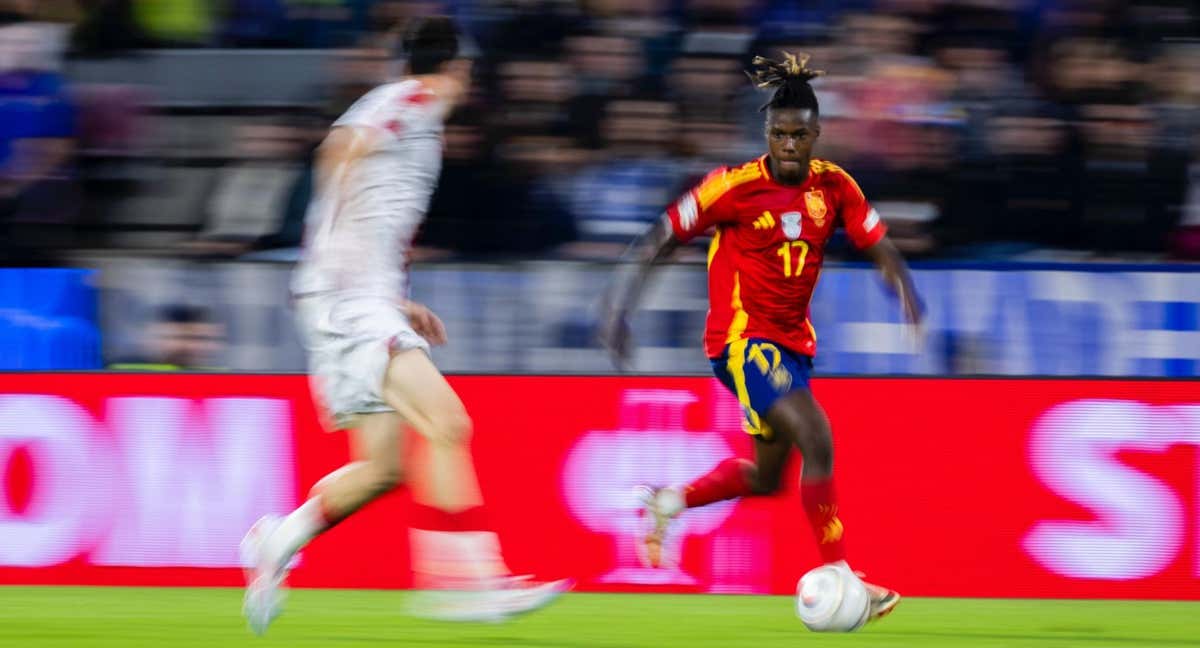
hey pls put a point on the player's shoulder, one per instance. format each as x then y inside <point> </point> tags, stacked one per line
<point>831,175</point>
<point>826,168</point>
<point>725,179</point>
<point>395,95</point>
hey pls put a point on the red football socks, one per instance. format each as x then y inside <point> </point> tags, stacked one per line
<point>820,504</point>
<point>728,480</point>
<point>432,519</point>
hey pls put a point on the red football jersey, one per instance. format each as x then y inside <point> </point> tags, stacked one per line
<point>767,252</point>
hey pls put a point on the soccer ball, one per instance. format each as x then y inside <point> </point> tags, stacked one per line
<point>831,598</point>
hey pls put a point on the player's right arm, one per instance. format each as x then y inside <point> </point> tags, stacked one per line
<point>342,148</point>
<point>695,212</point>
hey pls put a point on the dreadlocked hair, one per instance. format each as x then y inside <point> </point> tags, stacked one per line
<point>789,78</point>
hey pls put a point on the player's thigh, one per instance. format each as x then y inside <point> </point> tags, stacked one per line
<point>349,341</point>
<point>760,373</point>
<point>378,438</point>
<point>420,393</point>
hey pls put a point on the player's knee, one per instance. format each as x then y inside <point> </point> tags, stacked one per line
<point>765,482</point>
<point>456,426</point>
<point>816,445</point>
<point>385,476</point>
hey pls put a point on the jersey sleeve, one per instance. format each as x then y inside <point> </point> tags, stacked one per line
<point>701,207</point>
<point>396,108</point>
<point>862,222</point>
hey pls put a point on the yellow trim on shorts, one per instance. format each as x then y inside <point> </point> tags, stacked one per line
<point>736,364</point>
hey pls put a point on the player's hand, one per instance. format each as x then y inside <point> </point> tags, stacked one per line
<point>425,323</point>
<point>914,314</point>
<point>615,336</point>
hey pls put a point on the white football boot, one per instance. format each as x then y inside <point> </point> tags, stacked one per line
<point>265,591</point>
<point>509,597</point>
<point>659,507</point>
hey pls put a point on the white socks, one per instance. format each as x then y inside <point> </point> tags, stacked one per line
<point>456,559</point>
<point>295,531</point>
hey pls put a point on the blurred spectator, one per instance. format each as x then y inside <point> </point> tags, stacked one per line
<point>1176,88</point>
<point>616,198</point>
<point>1122,209</point>
<point>533,97</point>
<point>259,198</point>
<point>37,129</point>
<point>182,337</point>
<point>325,23</point>
<point>175,23</point>
<point>498,203</point>
<point>605,66</point>
<point>106,28</point>
<point>1064,123</point>
<point>256,23</point>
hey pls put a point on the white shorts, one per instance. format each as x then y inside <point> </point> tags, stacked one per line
<point>350,340</point>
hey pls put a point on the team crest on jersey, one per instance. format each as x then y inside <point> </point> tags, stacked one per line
<point>791,225</point>
<point>814,202</point>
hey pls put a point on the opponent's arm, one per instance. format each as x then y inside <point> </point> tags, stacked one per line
<point>622,298</point>
<point>897,278</point>
<point>342,148</point>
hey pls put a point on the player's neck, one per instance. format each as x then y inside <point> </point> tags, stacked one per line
<point>446,87</point>
<point>790,182</point>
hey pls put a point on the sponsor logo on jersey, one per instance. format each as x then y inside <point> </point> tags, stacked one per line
<point>766,221</point>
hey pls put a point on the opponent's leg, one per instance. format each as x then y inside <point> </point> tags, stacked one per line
<point>376,445</point>
<point>799,416</point>
<point>455,551</point>
<point>443,471</point>
<point>269,546</point>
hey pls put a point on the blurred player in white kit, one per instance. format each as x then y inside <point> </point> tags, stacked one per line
<point>368,352</point>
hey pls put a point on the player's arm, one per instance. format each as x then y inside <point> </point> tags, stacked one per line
<point>342,148</point>
<point>424,322</point>
<point>896,276</point>
<point>698,210</point>
<point>653,247</point>
<point>868,233</point>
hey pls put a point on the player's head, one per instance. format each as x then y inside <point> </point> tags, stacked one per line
<point>430,45</point>
<point>793,116</point>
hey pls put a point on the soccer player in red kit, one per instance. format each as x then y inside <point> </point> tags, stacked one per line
<point>773,217</point>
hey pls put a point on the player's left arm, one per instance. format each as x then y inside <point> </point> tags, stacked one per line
<point>424,322</point>
<point>652,248</point>
<point>897,277</point>
<point>868,233</point>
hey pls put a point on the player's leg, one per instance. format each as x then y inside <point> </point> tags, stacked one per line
<point>376,446</point>
<point>797,417</point>
<point>268,548</point>
<point>801,418</point>
<point>733,477</point>
<point>452,546</point>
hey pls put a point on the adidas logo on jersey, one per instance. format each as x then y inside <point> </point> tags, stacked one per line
<point>766,221</point>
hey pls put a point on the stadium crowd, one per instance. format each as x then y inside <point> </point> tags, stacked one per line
<point>979,128</point>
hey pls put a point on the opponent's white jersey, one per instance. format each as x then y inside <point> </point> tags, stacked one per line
<point>361,223</point>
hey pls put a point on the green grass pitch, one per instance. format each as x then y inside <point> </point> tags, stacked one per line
<point>39,617</point>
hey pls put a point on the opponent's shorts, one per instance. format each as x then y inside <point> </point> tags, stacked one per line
<point>758,372</point>
<point>350,341</point>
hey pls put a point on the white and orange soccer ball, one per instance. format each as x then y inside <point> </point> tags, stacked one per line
<point>831,598</point>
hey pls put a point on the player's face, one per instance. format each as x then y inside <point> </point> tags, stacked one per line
<point>791,133</point>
